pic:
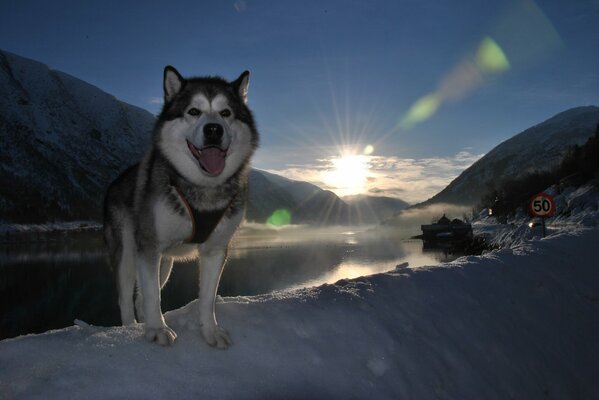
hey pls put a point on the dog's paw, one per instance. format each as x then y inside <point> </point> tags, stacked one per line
<point>164,336</point>
<point>216,336</point>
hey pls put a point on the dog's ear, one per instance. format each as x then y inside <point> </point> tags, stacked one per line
<point>241,84</point>
<point>173,82</point>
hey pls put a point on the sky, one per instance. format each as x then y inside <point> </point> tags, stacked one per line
<point>391,98</point>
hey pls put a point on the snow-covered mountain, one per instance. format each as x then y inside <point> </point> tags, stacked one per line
<point>535,149</point>
<point>64,141</point>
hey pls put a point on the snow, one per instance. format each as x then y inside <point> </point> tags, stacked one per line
<point>520,322</point>
<point>578,207</point>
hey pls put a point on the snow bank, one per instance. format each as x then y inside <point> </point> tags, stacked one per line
<point>515,323</point>
<point>576,208</point>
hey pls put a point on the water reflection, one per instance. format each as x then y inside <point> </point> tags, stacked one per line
<point>46,285</point>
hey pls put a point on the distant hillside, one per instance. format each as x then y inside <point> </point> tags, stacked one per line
<point>538,148</point>
<point>265,197</point>
<point>375,207</point>
<point>64,141</point>
<point>310,204</point>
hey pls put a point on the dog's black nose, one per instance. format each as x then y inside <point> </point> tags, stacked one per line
<point>213,132</point>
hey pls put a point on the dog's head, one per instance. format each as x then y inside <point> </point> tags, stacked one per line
<point>205,128</point>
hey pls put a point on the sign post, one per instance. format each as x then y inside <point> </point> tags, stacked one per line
<point>542,205</point>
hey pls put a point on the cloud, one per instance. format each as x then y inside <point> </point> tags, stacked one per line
<point>155,100</point>
<point>240,6</point>
<point>411,179</point>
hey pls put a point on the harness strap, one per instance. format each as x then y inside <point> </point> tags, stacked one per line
<point>203,223</point>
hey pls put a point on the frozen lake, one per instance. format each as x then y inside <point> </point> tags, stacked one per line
<point>46,285</point>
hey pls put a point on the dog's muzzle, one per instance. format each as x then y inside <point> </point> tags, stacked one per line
<point>211,158</point>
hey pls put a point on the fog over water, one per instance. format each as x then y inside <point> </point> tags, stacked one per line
<point>47,284</point>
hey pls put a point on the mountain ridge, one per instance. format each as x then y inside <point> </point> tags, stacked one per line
<point>65,140</point>
<point>308,203</point>
<point>521,154</point>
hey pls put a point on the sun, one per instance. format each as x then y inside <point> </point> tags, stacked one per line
<point>348,174</point>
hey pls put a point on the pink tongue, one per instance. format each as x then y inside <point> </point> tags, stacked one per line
<point>212,160</point>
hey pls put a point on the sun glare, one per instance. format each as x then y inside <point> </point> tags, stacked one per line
<point>348,174</point>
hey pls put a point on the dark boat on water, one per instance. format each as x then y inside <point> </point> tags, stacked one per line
<point>446,230</point>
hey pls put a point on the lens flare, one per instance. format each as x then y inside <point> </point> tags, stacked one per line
<point>422,109</point>
<point>490,57</point>
<point>280,217</point>
<point>526,35</point>
<point>368,150</point>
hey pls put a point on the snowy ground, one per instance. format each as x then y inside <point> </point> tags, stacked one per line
<point>520,322</point>
<point>577,207</point>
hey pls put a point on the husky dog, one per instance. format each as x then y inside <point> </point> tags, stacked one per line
<point>183,201</point>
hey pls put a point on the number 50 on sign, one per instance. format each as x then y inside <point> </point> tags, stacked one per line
<point>542,205</point>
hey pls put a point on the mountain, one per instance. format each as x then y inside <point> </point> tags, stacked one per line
<point>375,207</point>
<point>309,204</point>
<point>265,197</point>
<point>536,149</point>
<point>64,141</point>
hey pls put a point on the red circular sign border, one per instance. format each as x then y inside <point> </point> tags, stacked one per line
<point>551,201</point>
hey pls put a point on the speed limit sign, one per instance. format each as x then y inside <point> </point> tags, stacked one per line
<point>542,205</point>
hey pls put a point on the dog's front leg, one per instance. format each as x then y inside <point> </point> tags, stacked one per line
<point>149,276</point>
<point>211,267</point>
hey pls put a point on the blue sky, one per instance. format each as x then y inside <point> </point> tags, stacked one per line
<point>332,74</point>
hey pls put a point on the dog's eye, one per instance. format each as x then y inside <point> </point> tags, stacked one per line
<point>225,113</point>
<point>194,112</point>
